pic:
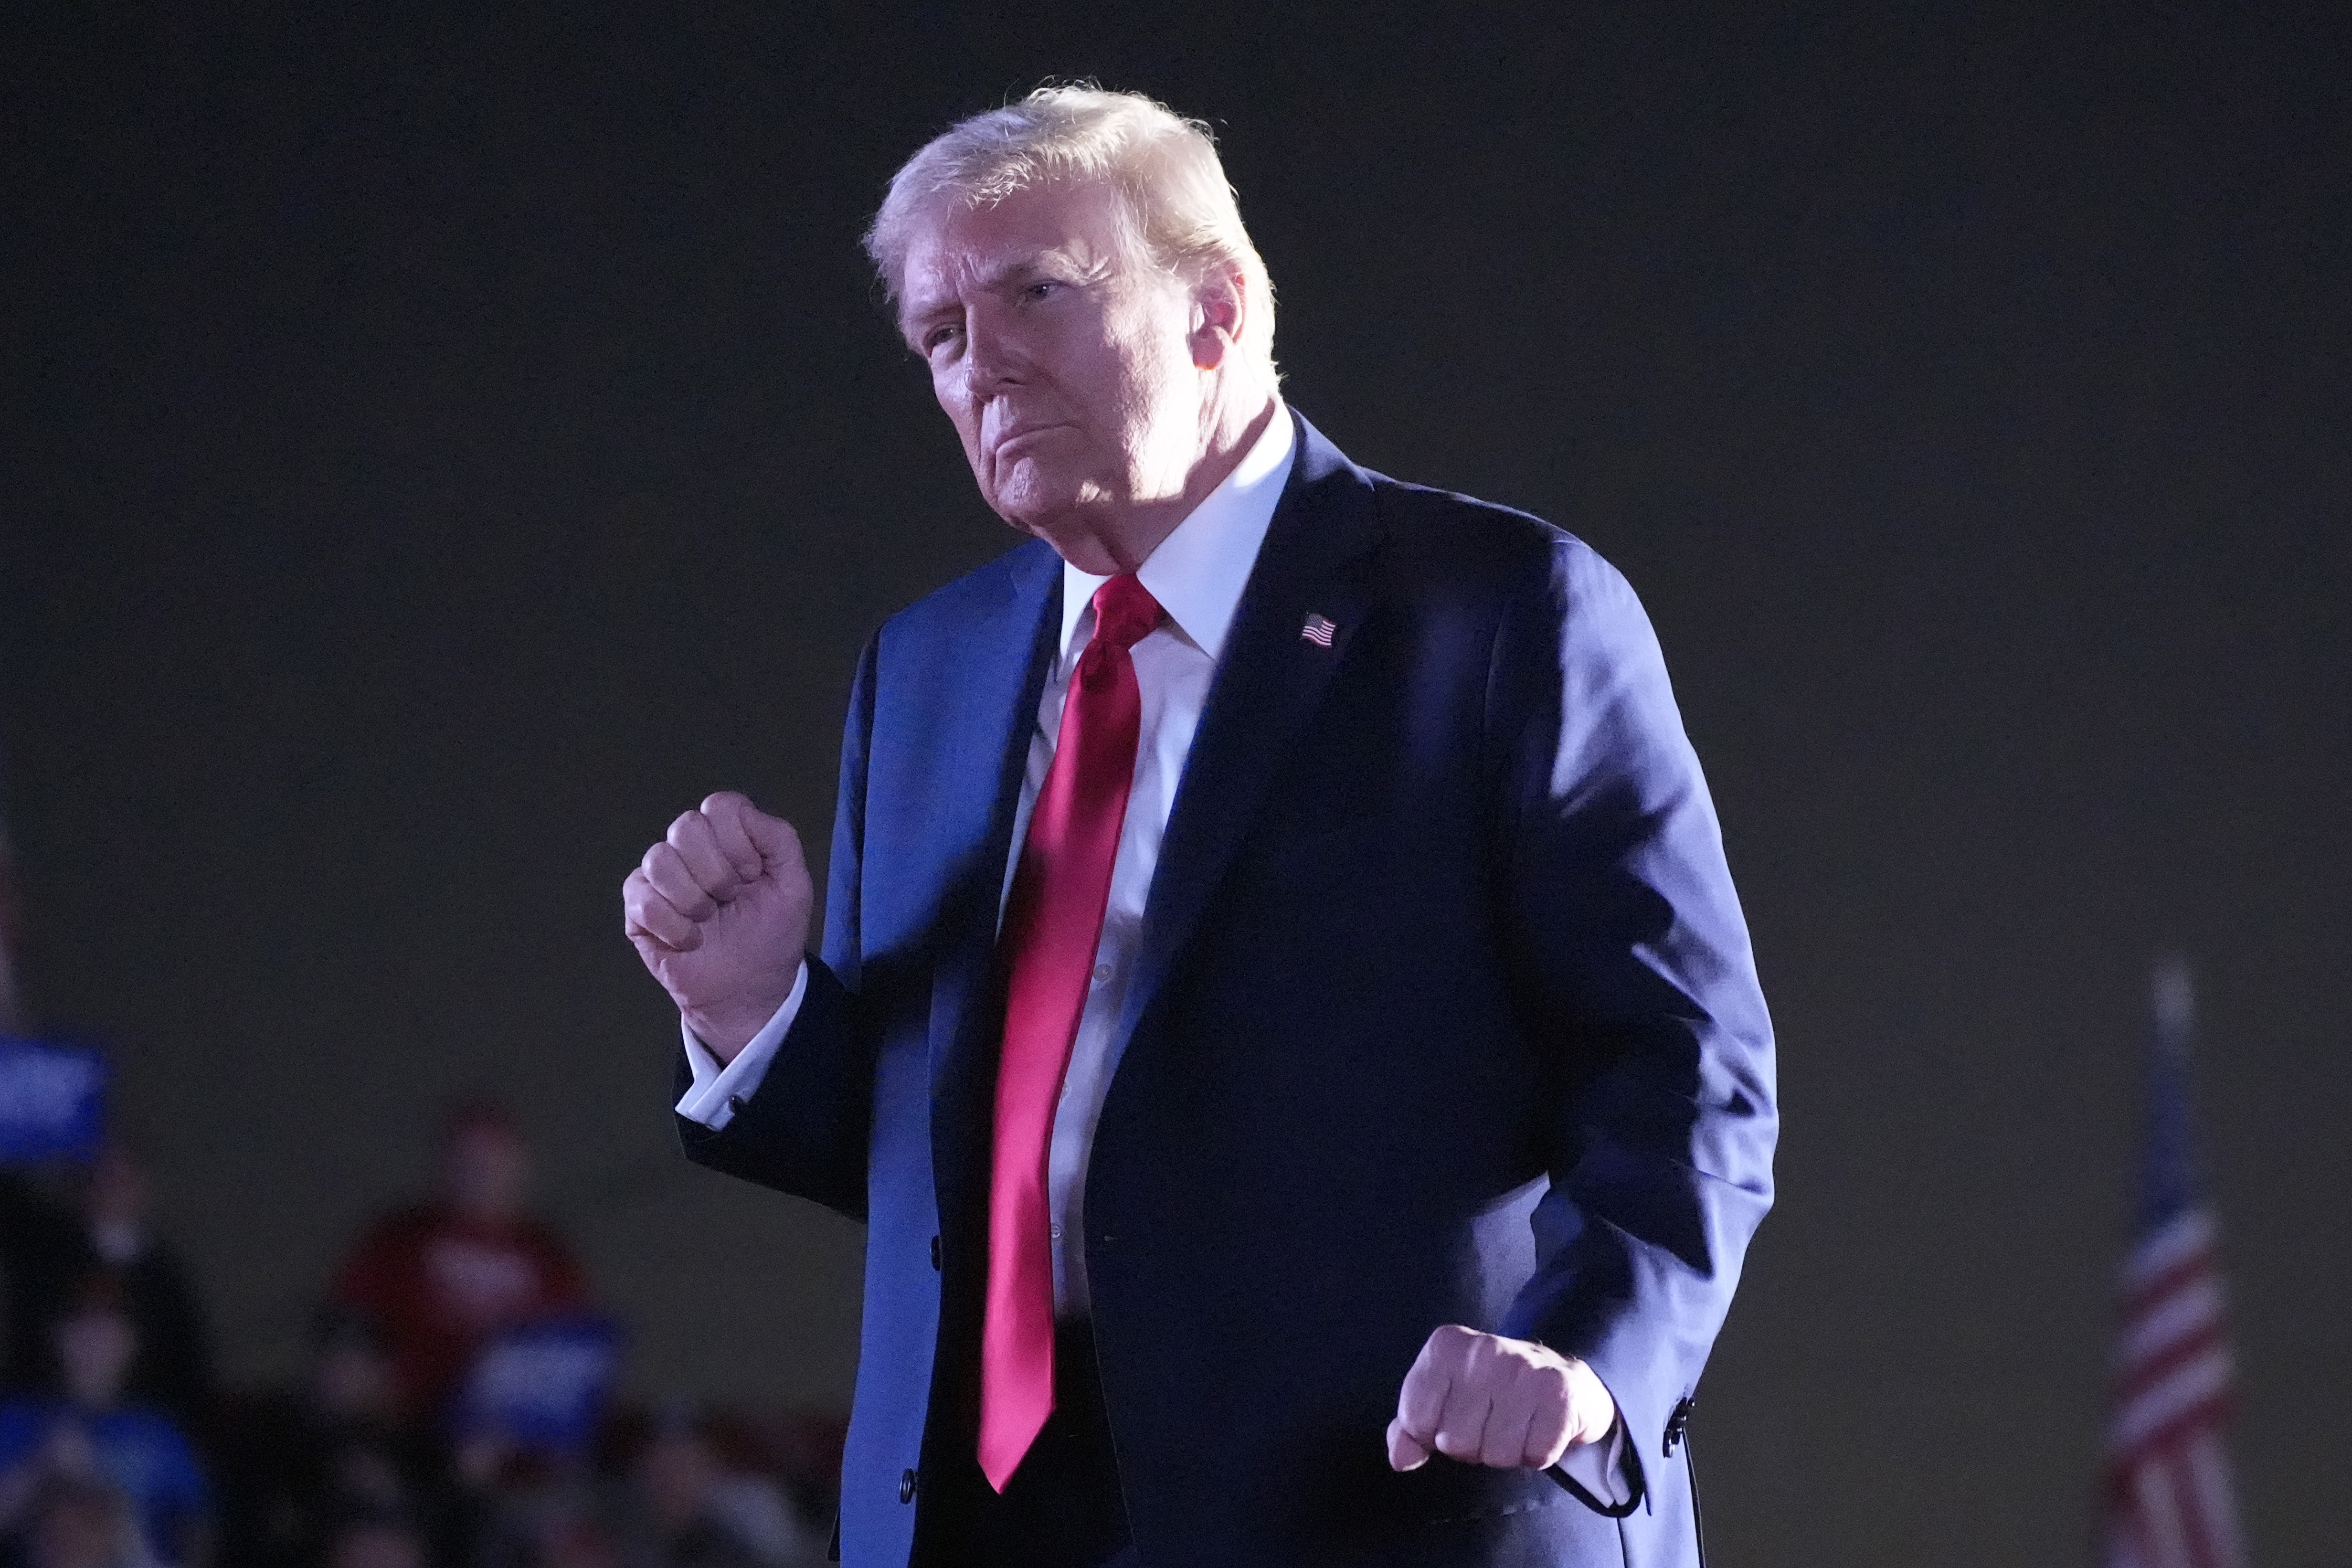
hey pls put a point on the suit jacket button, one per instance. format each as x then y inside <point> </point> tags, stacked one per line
<point>907,1487</point>
<point>736,1102</point>
<point>935,1255</point>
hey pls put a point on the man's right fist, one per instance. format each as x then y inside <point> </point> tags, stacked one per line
<point>719,912</point>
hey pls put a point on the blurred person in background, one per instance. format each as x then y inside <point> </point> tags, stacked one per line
<point>541,1515</point>
<point>79,1523</point>
<point>62,1224</point>
<point>90,1432</point>
<point>440,1278</point>
<point>331,1457</point>
<point>685,1507</point>
<point>580,1542</point>
<point>115,1230</point>
<point>38,1245</point>
<point>372,1540</point>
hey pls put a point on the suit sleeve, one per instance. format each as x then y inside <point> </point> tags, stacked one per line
<point>1634,965</point>
<point>807,1128</point>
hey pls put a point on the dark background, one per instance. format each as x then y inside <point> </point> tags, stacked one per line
<point>440,451</point>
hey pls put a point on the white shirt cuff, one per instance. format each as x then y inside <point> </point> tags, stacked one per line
<point>720,1089</point>
<point>1600,1468</point>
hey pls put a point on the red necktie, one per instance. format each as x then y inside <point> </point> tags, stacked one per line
<point>1053,924</point>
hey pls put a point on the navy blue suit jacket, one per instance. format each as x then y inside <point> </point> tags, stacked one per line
<point>1445,1013</point>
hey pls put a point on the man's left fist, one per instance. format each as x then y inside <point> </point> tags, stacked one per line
<point>1485,1400</point>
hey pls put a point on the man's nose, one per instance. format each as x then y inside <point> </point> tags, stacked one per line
<point>991,360</point>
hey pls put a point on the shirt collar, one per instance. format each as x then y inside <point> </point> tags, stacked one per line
<point>1199,571</point>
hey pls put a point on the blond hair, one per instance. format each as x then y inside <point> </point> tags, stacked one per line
<point>1173,204</point>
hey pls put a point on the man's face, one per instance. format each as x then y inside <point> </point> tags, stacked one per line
<point>1067,365</point>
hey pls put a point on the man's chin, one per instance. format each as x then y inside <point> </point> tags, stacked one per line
<point>1036,503</point>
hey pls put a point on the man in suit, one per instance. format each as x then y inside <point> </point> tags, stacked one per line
<point>1284,1018</point>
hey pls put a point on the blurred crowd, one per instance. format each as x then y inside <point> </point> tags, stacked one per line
<point>454,1410</point>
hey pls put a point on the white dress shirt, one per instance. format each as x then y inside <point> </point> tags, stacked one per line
<point>1197,575</point>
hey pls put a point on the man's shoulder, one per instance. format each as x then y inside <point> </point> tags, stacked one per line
<point>1431,527</point>
<point>1444,540</point>
<point>1449,516</point>
<point>982,593</point>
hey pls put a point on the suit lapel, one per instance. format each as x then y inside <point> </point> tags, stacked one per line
<point>1309,579</point>
<point>999,661</point>
<point>1268,682</point>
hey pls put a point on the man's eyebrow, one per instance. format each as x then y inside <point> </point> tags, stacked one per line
<point>1016,270</point>
<point>918,308</point>
<point>996,277</point>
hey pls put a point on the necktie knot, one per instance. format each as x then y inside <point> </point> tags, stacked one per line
<point>1125,612</point>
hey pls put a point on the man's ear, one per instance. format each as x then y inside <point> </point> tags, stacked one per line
<point>1220,309</point>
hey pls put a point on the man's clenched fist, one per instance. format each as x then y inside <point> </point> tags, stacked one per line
<point>719,912</point>
<point>1487,1400</point>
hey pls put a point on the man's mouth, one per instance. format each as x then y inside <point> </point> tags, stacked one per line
<point>1019,434</point>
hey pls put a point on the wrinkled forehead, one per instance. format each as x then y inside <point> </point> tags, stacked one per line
<point>955,247</point>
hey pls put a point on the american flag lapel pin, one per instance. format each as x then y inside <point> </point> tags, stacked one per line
<point>1318,629</point>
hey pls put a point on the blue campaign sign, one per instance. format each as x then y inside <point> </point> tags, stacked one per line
<point>542,1385</point>
<point>52,1101</point>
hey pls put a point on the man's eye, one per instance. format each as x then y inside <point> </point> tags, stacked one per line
<point>1041,288</point>
<point>937,336</point>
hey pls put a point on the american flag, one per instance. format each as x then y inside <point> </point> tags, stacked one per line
<point>1318,629</point>
<point>2168,1498</point>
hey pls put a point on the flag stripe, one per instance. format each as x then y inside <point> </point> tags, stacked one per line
<point>2180,1270</point>
<point>2194,1308</point>
<point>2163,1249</point>
<point>2193,1522</point>
<point>2159,1519</point>
<point>2139,1378</point>
<point>2217,1498</point>
<point>2175,1433</point>
<point>2189,1390</point>
<point>2170,1503</point>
